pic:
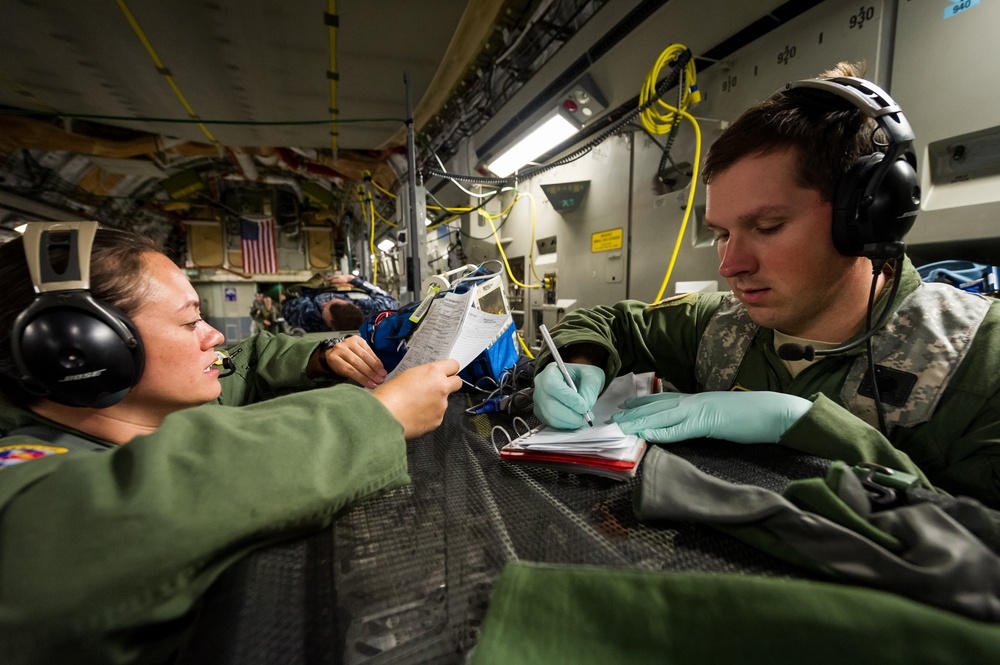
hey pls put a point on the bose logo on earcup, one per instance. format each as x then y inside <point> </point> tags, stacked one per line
<point>876,202</point>
<point>67,346</point>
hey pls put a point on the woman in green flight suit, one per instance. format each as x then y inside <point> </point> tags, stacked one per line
<point>105,554</point>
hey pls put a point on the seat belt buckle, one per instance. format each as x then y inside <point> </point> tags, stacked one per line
<point>885,486</point>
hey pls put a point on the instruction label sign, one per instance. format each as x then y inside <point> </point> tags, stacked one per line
<point>603,241</point>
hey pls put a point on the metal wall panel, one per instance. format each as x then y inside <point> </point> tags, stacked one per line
<point>944,77</point>
<point>802,48</point>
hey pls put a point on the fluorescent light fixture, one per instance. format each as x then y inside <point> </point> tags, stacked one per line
<point>548,135</point>
<point>386,245</point>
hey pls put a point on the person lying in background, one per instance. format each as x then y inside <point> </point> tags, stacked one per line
<point>344,304</point>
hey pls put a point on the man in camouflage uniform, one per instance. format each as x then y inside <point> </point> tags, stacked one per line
<point>771,180</point>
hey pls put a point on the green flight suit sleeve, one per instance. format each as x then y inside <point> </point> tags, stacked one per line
<point>106,554</point>
<point>543,613</point>
<point>269,365</point>
<point>958,449</point>
<point>661,338</point>
<point>830,431</point>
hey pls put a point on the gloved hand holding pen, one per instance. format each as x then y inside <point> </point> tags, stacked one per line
<point>557,404</point>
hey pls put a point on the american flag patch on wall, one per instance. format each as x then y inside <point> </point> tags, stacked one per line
<point>260,252</point>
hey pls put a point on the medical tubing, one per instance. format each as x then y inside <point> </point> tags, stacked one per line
<point>665,84</point>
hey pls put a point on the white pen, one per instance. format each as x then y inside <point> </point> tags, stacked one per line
<point>562,366</point>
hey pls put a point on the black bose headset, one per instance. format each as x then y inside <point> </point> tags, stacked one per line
<point>877,200</point>
<point>68,346</point>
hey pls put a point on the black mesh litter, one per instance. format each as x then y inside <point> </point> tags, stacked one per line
<point>414,568</point>
<point>406,577</point>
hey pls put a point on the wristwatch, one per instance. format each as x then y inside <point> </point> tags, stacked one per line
<point>325,346</point>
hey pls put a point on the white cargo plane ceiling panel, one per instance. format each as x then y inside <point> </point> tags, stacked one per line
<point>256,61</point>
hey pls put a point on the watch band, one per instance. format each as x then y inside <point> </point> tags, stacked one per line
<point>325,346</point>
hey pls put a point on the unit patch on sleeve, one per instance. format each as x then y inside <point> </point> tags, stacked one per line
<point>679,299</point>
<point>11,455</point>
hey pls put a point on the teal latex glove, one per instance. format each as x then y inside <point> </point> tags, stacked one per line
<point>742,417</point>
<point>558,405</point>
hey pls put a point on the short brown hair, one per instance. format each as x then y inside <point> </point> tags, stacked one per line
<point>346,317</point>
<point>828,134</point>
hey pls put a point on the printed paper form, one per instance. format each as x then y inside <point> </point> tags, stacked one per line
<point>452,328</point>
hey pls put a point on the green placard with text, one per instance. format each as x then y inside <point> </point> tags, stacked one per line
<point>566,196</point>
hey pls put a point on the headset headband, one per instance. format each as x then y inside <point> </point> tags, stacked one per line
<point>871,100</point>
<point>76,275</point>
<point>875,103</point>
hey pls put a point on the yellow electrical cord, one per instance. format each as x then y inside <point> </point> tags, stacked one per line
<point>657,122</point>
<point>524,346</point>
<point>377,186</point>
<point>376,212</point>
<point>531,244</point>
<point>690,201</point>
<point>365,198</point>
<point>652,119</point>
<point>430,207</point>
<point>442,222</point>
<point>161,68</point>
<point>503,255</point>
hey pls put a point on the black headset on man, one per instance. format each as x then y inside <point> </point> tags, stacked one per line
<point>877,200</point>
<point>875,203</point>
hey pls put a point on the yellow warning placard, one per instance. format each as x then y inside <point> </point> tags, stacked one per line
<point>603,241</point>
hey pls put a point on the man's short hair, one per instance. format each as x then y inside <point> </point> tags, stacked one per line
<point>346,316</point>
<point>829,134</point>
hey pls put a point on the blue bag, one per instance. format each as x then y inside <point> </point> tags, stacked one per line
<point>965,275</point>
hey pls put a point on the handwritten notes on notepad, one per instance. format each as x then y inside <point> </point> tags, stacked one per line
<point>603,450</point>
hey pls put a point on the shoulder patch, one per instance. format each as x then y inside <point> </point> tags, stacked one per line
<point>679,299</point>
<point>11,455</point>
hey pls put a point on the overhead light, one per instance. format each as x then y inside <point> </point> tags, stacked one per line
<point>21,227</point>
<point>577,106</point>
<point>546,136</point>
<point>386,245</point>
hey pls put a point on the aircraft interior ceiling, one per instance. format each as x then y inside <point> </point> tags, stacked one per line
<point>115,110</point>
<point>145,114</point>
<point>163,116</point>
